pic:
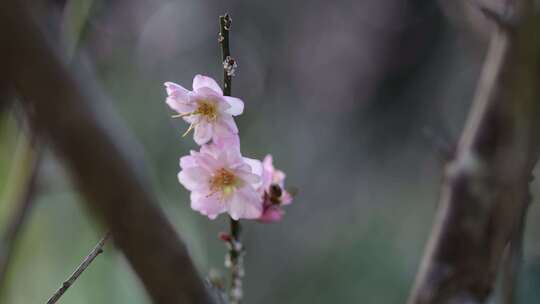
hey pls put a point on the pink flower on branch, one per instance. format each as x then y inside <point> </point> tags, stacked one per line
<point>205,108</point>
<point>273,192</point>
<point>221,180</point>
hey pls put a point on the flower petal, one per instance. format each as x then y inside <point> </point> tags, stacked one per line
<point>250,178</point>
<point>187,162</point>
<point>203,132</point>
<point>245,203</point>
<point>211,149</point>
<point>255,164</point>
<point>236,105</point>
<point>207,94</point>
<point>180,106</point>
<point>229,122</point>
<point>253,174</point>
<point>207,162</point>
<point>268,162</point>
<point>178,98</point>
<point>234,157</point>
<point>194,178</point>
<point>232,141</point>
<point>268,169</point>
<point>201,81</point>
<point>208,205</point>
<point>271,214</point>
<point>175,89</point>
<point>286,198</point>
<point>278,177</point>
<point>222,130</point>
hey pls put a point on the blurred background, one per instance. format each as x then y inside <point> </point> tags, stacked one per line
<point>359,102</point>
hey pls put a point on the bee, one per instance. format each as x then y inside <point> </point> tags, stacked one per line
<point>275,194</point>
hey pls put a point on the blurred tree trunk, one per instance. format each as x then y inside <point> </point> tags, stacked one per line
<point>486,187</point>
<point>65,114</point>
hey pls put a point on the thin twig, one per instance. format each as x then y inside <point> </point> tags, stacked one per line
<point>234,259</point>
<point>225,23</point>
<point>98,249</point>
<point>236,263</point>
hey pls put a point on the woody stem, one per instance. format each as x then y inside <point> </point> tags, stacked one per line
<point>235,249</point>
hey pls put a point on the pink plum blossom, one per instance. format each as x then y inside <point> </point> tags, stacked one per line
<point>232,141</point>
<point>205,108</point>
<point>273,192</point>
<point>221,180</point>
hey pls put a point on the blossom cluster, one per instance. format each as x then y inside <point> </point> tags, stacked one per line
<point>219,178</point>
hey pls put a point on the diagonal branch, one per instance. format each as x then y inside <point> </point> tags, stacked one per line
<point>100,169</point>
<point>97,250</point>
<point>486,186</point>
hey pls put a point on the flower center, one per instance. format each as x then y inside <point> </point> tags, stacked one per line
<point>204,108</point>
<point>207,109</point>
<point>224,181</point>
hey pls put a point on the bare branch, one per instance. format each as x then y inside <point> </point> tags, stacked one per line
<point>234,258</point>
<point>486,185</point>
<point>98,249</point>
<point>101,170</point>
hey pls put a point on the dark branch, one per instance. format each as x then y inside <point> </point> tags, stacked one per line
<point>235,246</point>
<point>225,22</point>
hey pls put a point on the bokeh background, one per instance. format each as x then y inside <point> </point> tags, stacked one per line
<point>358,101</point>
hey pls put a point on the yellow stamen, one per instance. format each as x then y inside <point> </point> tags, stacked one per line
<point>188,130</point>
<point>183,115</point>
<point>223,181</point>
<point>205,108</point>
